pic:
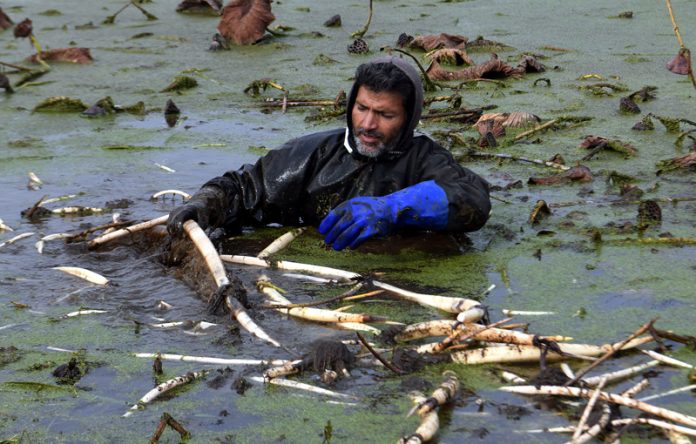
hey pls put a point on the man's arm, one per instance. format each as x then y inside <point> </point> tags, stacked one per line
<point>467,193</point>
<point>261,193</point>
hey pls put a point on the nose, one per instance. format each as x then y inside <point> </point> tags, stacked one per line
<point>369,121</point>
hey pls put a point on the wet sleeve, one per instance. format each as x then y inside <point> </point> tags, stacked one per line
<point>467,193</point>
<point>270,190</point>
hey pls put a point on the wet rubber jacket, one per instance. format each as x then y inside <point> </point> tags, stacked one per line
<point>301,181</point>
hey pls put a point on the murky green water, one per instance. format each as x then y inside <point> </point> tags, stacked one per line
<point>619,286</point>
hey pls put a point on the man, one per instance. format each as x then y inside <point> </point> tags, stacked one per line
<point>373,178</point>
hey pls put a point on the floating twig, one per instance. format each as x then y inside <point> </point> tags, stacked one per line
<point>536,129</point>
<point>165,387</point>
<point>507,312</point>
<point>611,352</point>
<point>379,357</point>
<point>167,420</point>
<point>546,163</point>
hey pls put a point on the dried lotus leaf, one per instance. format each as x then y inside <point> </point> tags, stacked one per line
<point>244,21</point>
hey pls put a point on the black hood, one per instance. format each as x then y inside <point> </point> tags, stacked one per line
<point>413,115</point>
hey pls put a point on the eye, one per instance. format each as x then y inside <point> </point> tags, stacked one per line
<point>361,107</point>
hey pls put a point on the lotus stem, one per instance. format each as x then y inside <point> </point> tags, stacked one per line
<point>164,387</point>
<point>292,266</point>
<point>588,410</point>
<point>668,360</point>
<point>656,423</point>
<point>240,314</point>
<point>360,33</point>
<point>529,353</point>
<point>595,429</point>
<point>444,303</point>
<point>280,243</point>
<point>210,360</point>
<point>604,396</point>
<point>631,392</point>
<point>15,239</point>
<point>128,230</point>
<point>207,250</point>
<point>85,274</point>
<point>301,386</point>
<point>429,425</point>
<point>441,396</point>
<point>312,314</point>
<point>621,374</point>
<point>536,129</point>
<point>668,393</point>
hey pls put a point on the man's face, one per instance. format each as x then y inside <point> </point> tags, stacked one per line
<point>378,118</point>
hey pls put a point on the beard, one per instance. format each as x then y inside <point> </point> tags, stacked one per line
<point>372,149</point>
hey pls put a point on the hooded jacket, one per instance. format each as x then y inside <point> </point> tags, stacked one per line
<point>300,182</point>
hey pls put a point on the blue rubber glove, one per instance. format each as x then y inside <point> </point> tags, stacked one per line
<point>356,220</point>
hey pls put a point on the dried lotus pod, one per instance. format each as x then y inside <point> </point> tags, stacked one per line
<point>359,46</point>
<point>649,213</point>
<point>23,29</point>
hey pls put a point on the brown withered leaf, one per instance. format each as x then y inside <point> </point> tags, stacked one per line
<point>200,6</point>
<point>81,56</point>
<point>516,119</point>
<point>443,40</point>
<point>680,63</point>
<point>244,21</point>
<point>578,173</point>
<point>5,21</point>
<point>492,69</point>
<point>598,143</point>
<point>23,29</point>
<point>530,64</point>
<point>682,162</point>
<point>490,128</point>
<point>452,56</point>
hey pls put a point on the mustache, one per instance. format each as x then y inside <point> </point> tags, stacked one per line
<point>369,133</point>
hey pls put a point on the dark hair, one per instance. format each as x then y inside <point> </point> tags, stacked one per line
<point>386,77</point>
